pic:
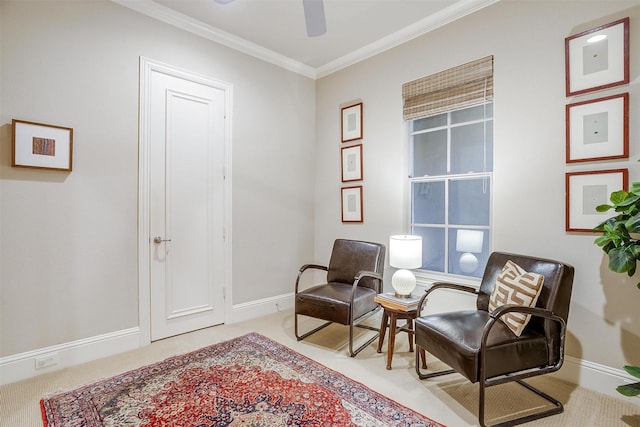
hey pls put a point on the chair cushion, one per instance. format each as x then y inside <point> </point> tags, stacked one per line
<point>455,338</point>
<point>331,301</point>
<point>516,286</point>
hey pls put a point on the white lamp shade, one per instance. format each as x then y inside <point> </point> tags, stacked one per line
<point>405,251</point>
<point>469,241</point>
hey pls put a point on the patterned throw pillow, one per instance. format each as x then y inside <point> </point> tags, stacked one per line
<point>516,286</point>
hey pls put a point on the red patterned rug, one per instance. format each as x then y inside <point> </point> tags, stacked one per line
<point>248,381</point>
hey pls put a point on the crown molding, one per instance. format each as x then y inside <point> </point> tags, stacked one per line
<point>426,25</point>
<point>458,10</point>
<point>179,20</point>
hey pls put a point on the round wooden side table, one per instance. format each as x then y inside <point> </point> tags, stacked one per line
<point>390,317</point>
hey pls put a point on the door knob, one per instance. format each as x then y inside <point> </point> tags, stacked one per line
<point>159,239</point>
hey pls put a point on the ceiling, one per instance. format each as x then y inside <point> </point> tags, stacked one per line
<point>274,30</point>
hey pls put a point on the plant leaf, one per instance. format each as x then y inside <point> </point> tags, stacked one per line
<point>603,208</point>
<point>633,370</point>
<point>606,225</point>
<point>621,259</point>
<point>618,196</point>
<point>602,240</point>
<point>633,224</point>
<point>629,390</point>
<point>629,200</point>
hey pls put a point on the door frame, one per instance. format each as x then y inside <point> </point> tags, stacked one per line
<point>148,66</point>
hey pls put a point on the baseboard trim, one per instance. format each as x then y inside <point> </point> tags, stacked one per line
<point>599,378</point>
<point>24,365</point>
<point>261,307</point>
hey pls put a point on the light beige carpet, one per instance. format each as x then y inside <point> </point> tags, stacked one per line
<point>450,400</point>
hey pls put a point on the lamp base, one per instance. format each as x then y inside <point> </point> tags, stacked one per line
<point>403,282</point>
<point>468,262</point>
<point>397,295</point>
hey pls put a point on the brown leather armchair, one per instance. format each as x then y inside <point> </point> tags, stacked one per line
<point>476,344</point>
<point>354,278</point>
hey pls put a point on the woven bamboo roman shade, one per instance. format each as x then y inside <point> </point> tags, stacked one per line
<point>453,89</point>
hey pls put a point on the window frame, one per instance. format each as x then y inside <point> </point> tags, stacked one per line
<point>424,275</point>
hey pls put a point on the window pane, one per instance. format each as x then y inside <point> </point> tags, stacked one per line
<point>470,152</point>
<point>468,251</point>
<point>428,202</point>
<point>472,113</point>
<point>430,153</point>
<point>452,161</point>
<point>469,201</point>
<point>432,247</point>
<point>430,122</point>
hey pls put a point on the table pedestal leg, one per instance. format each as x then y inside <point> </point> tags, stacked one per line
<point>383,330</point>
<point>390,323</point>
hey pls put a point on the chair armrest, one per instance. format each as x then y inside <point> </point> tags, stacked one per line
<point>364,273</point>
<point>508,308</point>
<point>361,275</point>
<point>306,267</point>
<point>444,285</point>
<point>533,311</point>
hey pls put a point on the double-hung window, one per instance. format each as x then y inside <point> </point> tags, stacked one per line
<point>451,165</point>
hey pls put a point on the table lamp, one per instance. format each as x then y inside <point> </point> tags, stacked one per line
<point>405,252</point>
<point>469,242</point>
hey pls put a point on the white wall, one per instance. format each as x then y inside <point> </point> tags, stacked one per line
<point>68,240</point>
<point>527,41</point>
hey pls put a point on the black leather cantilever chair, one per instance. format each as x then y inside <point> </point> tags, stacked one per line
<point>476,344</point>
<point>354,278</point>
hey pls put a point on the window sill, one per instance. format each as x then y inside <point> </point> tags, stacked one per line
<point>424,279</point>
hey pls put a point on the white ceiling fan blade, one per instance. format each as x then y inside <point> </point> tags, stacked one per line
<point>223,1</point>
<point>314,17</point>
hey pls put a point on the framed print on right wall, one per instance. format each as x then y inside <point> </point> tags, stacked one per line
<point>598,129</point>
<point>598,58</point>
<point>587,189</point>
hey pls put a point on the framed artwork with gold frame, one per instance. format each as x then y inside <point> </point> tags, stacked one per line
<point>41,146</point>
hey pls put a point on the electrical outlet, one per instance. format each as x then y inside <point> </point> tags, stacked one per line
<point>46,360</point>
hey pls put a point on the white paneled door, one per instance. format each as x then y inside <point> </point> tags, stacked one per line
<point>186,150</point>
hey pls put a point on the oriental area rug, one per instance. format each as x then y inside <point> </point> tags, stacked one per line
<point>248,381</point>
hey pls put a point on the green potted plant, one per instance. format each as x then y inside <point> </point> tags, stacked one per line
<point>621,233</point>
<point>620,240</point>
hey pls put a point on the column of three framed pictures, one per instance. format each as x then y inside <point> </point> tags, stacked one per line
<point>597,129</point>
<point>351,163</point>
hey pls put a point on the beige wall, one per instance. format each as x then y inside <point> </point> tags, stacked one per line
<point>68,240</point>
<point>527,41</point>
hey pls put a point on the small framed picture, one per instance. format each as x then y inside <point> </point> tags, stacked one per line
<point>598,129</point>
<point>588,189</point>
<point>352,204</point>
<point>351,122</point>
<point>351,163</point>
<point>598,58</point>
<point>40,146</point>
